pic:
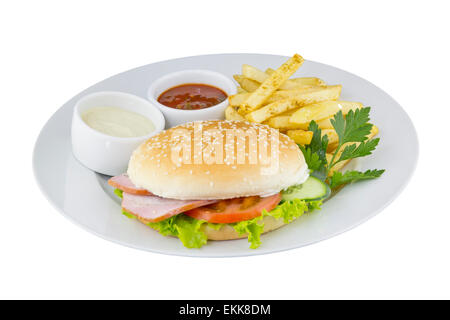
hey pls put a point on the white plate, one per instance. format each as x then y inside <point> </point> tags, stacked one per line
<point>84,197</point>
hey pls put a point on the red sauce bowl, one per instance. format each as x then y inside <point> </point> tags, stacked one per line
<point>175,116</point>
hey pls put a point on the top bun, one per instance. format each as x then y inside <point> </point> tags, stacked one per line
<point>157,165</point>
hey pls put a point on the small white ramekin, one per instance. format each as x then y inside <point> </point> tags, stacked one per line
<point>176,116</point>
<point>103,153</point>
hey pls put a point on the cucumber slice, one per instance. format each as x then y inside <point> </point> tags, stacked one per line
<point>311,189</point>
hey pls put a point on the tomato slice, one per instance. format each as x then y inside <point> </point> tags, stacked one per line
<point>235,210</point>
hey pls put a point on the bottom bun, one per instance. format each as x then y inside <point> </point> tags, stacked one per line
<point>227,232</point>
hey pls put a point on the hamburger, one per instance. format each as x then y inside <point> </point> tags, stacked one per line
<point>217,180</point>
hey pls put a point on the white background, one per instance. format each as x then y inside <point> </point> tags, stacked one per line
<point>51,50</point>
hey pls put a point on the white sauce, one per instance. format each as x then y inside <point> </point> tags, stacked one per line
<point>117,122</point>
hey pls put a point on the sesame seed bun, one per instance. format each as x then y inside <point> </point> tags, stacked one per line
<point>156,166</point>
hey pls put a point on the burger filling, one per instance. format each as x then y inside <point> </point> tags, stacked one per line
<point>187,219</point>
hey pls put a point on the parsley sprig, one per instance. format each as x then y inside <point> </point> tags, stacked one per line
<point>353,143</point>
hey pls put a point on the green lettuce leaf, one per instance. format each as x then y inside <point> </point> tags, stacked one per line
<point>314,205</point>
<point>253,227</point>
<point>187,229</point>
<point>119,193</point>
<point>215,226</point>
<point>165,227</point>
<point>128,215</point>
<point>288,211</point>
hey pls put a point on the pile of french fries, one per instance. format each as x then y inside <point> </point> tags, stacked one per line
<point>271,97</point>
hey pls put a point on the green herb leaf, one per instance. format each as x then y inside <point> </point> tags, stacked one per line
<point>318,143</point>
<point>359,150</point>
<point>338,123</point>
<point>316,152</point>
<point>354,127</point>
<point>339,178</point>
<point>312,159</point>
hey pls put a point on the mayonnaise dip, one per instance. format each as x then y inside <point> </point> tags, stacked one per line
<point>117,122</point>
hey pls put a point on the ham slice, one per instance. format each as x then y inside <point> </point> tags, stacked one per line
<point>154,208</point>
<point>124,183</point>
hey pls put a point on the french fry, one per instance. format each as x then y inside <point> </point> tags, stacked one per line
<point>271,110</point>
<point>289,112</point>
<point>302,99</point>
<point>272,83</point>
<point>240,97</point>
<point>349,105</point>
<point>237,99</point>
<point>304,137</point>
<point>315,111</point>
<point>338,166</point>
<point>326,123</point>
<point>323,124</point>
<point>282,122</point>
<point>375,130</point>
<point>333,139</point>
<point>241,90</point>
<point>246,83</point>
<point>300,136</point>
<point>289,105</point>
<point>254,73</point>
<point>309,81</point>
<point>232,114</point>
<point>293,85</point>
<point>290,94</point>
<point>323,110</point>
